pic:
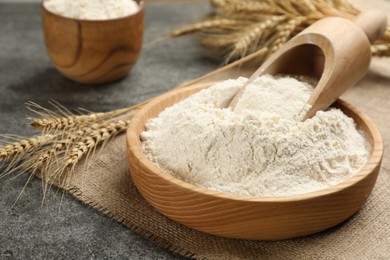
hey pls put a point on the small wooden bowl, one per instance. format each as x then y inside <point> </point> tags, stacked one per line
<point>93,51</point>
<point>245,217</point>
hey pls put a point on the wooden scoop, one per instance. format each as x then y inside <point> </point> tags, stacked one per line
<point>334,51</point>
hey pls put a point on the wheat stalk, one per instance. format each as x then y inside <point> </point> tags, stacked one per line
<point>72,137</point>
<point>237,28</point>
<point>213,24</point>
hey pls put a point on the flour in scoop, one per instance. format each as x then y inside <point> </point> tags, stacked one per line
<point>262,148</point>
<point>92,9</point>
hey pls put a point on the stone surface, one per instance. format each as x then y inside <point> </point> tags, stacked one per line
<point>63,228</point>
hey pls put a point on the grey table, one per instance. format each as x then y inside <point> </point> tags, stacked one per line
<point>73,231</point>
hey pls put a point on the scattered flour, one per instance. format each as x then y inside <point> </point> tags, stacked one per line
<point>261,148</point>
<point>92,9</point>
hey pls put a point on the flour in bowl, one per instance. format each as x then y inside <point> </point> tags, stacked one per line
<point>262,148</point>
<point>92,9</point>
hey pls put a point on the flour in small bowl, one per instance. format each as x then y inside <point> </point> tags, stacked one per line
<point>92,9</point>
<point>262,148</point>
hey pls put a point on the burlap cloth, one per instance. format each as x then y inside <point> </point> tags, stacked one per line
<point>107,186</point>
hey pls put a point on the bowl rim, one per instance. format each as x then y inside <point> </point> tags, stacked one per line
<point>134,148</point>
<point>140,10</point>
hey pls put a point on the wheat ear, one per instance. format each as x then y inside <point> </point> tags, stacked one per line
<point>79,150</point>
<point>251,38</point>
<point>305,7</point>
<point>285,32</point>
<point>244,16</point>
<point>14,152</point>
<point>51,121</point>
<point>49,156</point>
<point>95,138</point>
<point>23,146</point>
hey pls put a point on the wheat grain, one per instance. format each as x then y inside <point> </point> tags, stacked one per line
<point>84,147</point>
<point>95,138</point>
<point>76,136</point>
<point>72,121</point>
<point>63,119</point>
<point>386,35</point>
<point>49,155</point>
<point>305,7</point>
<point>381,50</point>
<point>249,40</point>
<point>287,6</point>
<point>14,153</point>
<point>24,146</point>
<point>285,32</point>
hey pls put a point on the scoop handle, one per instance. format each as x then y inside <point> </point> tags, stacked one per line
<point>373,23</point>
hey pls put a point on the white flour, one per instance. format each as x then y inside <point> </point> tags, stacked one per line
<point>92,9</point>
<point>260,149</point>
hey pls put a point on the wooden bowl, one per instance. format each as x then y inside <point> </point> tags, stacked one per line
<point>93,51</point>
<point>245,217</point>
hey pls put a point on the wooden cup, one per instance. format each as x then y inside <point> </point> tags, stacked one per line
<point>246,217</point>
<point>93,51</point>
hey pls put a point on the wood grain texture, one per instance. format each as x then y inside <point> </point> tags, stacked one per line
<point>260,218</point>
<point>93,52</point>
